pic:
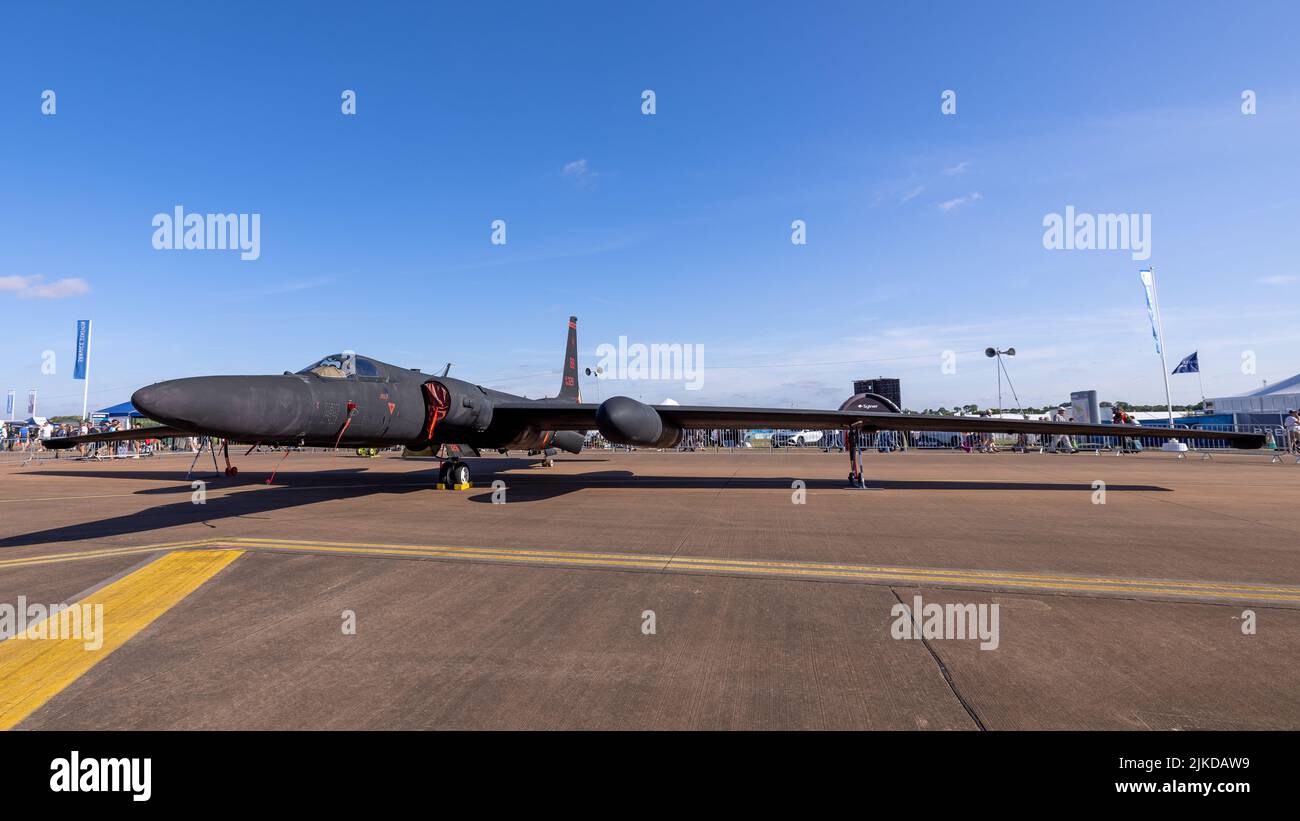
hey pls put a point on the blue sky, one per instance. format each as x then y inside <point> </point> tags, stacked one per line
<point>924,230</point>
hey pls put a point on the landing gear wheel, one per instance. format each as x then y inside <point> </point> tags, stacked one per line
<point>232,470</point>
<point>459,474</point>
<point>444,474</point>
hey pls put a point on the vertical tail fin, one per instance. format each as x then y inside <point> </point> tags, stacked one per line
<point>569,382</point>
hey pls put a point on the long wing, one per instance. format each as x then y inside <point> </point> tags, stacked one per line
<point>583,417</point>
<point>156,432</point>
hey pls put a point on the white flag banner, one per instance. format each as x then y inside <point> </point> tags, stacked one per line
<point>1148,284</point>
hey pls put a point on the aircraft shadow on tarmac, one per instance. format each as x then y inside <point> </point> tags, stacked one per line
<point>532,488</point>
<point>296,489</point>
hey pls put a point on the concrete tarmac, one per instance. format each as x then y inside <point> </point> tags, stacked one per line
<point>746,590</point>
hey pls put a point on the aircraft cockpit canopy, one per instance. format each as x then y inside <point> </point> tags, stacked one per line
<point>343,366</point>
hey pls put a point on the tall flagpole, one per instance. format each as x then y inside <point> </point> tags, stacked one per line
<point>1160,333</point>
<point>1157,329</point>
<point>85,388</point>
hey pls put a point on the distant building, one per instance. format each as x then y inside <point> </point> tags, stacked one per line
<point>1265,406</point>
<point>888,388</point>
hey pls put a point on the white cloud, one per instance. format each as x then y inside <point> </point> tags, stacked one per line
<point>955,202</point>
<point>582,174</point>
<point>578,168</point>
<point>14,283</point>
<point>914,193</point>
<point>1280,279</point>
<point>959,168</point>
<point>33,287</point>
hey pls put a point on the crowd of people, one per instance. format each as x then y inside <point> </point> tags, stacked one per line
<point>985,443</point>
<point>27,436</point>
<point>30,437</point>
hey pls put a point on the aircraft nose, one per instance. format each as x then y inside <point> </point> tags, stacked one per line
<point>255,407</point>
<point>175,402</point>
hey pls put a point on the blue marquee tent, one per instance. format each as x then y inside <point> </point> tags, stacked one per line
<point>124,409</point>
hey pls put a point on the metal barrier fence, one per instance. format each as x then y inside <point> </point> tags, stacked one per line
<point>952,440</point>
<point>25,449</point>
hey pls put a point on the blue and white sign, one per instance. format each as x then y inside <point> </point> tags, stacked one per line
<point>83,348</point>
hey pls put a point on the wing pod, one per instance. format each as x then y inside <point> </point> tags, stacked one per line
<point>625,421</point>
<point>569,440</point>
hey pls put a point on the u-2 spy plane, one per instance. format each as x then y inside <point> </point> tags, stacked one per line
<point>354,401</point>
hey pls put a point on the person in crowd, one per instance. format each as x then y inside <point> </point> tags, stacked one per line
<point>1022,439</point>
<point>1292,424</point>
<point>1061,416</point>
<point>1120,417</point>
<point>990,445</point>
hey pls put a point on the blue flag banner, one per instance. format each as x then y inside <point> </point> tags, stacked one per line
<point>9,404</point>
<point>83,348</point>
<point>1148,283</point>
<point>1188,365</point>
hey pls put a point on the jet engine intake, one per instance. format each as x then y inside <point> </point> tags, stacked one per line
<point>466,406</point>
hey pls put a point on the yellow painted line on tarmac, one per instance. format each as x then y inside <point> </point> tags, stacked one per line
<point>108,552</point>
<point>67,498</point>
<point>798,569</point>
<point>34,670</point>
<point>741,567</point>
<point>790,566</point>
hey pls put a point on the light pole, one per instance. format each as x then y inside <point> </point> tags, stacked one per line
<point>992,353</point>
<point>596,373</point>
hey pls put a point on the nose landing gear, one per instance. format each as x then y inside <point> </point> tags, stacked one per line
<point>231,470</point>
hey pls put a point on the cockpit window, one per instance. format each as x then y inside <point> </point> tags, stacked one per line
<point>337,366</point>
<point>341,366</point>
<point>366,368</point>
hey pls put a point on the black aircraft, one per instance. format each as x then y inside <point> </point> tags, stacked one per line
<point>354,401</point>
